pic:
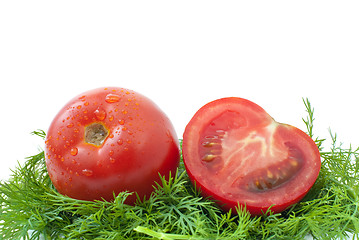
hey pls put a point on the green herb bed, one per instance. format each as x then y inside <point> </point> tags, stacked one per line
<point>31,208</point>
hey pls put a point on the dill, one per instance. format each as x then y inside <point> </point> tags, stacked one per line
<point>31,208</point>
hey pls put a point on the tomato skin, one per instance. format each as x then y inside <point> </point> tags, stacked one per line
<point>238,155</point>
<point>140,143</point>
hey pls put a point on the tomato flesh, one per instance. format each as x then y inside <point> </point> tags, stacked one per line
<point>237,154</point>
<point>109,140</point>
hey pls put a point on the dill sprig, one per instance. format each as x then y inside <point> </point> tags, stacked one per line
<point>31,208</point>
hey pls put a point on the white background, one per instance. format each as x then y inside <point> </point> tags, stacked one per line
<point>181,54</point>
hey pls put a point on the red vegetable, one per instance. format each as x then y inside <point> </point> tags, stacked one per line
<point>237,154</point>
<point>110,140</point>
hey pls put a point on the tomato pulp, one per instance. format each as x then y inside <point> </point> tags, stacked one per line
<point>109,140</point>
<point>237,154</point>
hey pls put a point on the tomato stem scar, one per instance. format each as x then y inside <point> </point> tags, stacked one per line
<point>95,134</point>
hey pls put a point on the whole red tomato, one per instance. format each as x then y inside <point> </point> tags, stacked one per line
<point>237,154</point>
<point>110,140</point>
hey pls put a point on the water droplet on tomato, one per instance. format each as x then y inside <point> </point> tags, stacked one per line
<point>121,122</point>
<point>112,160</point>
<point>120,142</point>
<point>70,125</point>
<point>87,172</point>
<point>100,114</point>
<point>74,151</point>
<point>111,152</point>
<point>112,98</point>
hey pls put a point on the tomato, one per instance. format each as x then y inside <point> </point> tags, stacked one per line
<point>109,140</point>
<point>240,156</point>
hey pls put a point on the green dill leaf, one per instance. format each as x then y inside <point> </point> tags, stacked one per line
<point>40,133</point>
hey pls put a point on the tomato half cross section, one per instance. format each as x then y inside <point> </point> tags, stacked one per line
<point>109,140</point>
<point>238,154</point>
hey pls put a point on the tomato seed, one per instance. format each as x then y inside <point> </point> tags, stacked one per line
<point>269,174</point>
<point>208,144</point>
<point>293,162</point>
<point>209,157</point>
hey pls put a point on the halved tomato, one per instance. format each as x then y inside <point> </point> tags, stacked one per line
<point>238,154</point>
